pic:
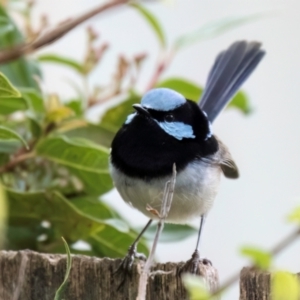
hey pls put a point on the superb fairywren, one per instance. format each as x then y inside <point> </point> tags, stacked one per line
<point>165,129</point>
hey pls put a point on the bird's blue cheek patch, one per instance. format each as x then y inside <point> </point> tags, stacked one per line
<point>130,117</point>
<point>178,130</point>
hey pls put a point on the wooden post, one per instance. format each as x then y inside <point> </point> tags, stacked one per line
<point>27,275</point>
<point>255,284</point>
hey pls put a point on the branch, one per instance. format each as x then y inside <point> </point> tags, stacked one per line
<point>162,65</point>
<point>56,33</point>
<point>16,160</point>
<point>164,211</point>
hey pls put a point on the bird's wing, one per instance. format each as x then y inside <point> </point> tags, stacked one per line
<point>226,161</point>
<point>231,68</point>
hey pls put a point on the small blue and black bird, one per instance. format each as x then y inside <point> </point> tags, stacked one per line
<point>165,129</point>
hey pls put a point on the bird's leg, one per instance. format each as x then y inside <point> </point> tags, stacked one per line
<point>127,262</point>
<point>191,266</point>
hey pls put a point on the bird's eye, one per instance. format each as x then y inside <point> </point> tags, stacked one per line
<point>169,118</point>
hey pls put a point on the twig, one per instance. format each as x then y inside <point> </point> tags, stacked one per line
<point>164,211</point>
<point>56,33</point>
<point>285,242</point>
<point>160,68</point>
<point>18,159</point>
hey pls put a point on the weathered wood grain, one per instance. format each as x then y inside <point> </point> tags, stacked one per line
<point>27,275</point>
<point>255,284</point>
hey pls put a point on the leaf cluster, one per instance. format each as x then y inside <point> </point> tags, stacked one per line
<point>53,177</point>
<point>54,163</point>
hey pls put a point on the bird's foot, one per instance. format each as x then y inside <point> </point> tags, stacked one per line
<point>125,267</point>
<point>192,265</point>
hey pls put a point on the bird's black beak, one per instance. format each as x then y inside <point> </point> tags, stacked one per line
<point>141,110</point>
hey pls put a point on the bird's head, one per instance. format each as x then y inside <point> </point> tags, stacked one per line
<point>167,110</point>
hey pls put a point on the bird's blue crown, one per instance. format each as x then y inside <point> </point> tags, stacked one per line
<point>162,99</point>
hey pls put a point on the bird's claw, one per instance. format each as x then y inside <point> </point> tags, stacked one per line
<point>127,261</point>
<point>140,256</point>
<point>192,265</point>
<point>125,266</point>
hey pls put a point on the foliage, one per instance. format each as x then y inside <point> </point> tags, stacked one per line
<point>285,286</point>
<point>212,29</point>
<point>60,290</point>
<point>54,163</point>
<point>21,72</point>
<point>294,216</point>
<point>152,21</point>
<point>196,288</point>
<point>171,232</point>
<point>261,259</point>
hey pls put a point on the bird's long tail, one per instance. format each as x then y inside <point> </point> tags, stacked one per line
<point>231,68</point>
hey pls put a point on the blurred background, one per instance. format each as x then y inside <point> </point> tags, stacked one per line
<point>265,144</point>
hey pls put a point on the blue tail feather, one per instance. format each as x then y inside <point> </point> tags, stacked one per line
<point>231,68</point>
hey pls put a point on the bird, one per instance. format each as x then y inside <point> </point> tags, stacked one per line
<point>166,129</point>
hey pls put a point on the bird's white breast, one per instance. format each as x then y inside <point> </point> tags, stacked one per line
<point>195,190</point>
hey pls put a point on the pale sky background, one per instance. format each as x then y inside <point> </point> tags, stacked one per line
<point>251,210</point>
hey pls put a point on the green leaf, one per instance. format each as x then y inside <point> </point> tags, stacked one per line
<point>294,216</point>
<point>212,30</point>
<point>66,219</point>
<point>61,289</point>
<point>260,258</point>
<point>4,26</point>
<point>65,61</point>
<point>9,146</point>
<point>6,88</point>
<point>7,134</point>
<point>240,101</point>
<point>153,22</point>
<point>111,243</point>
<point>95,133</point>
<point>34,100</point>
<point>187,88</point>
<point>114,117</point>
<point>22,237</point>
<point>10,105</point>
<point>285,286</point>
<point>196,287</point>
<point>35,127</point>
<point>28,209</point>
<point>76,106</point>
<point>92,206</point>
<point>86,160</point>
<point>4,158</point>
<point>171,232</point>
<point>21,72</point>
